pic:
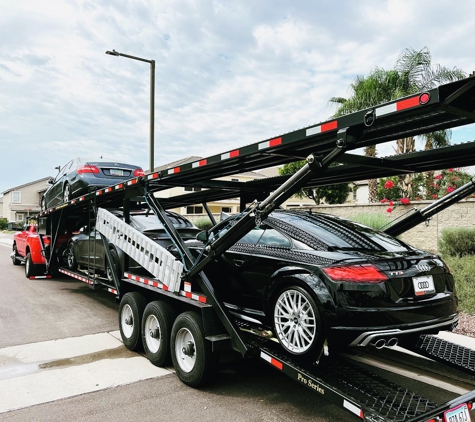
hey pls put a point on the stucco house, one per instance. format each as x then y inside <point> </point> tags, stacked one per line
<point>22,201</point>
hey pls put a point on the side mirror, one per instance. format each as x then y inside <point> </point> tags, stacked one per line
<point>51,181</point>
<point>202,236</point>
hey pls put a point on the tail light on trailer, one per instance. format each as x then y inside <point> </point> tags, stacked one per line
<point>139,172</point>
<point>87,169</point>
<point>367,273</point>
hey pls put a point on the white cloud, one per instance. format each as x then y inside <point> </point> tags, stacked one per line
<point>227,73</point>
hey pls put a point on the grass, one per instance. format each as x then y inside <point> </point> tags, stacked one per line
<point>463,270</point>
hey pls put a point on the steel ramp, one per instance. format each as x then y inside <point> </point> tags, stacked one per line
<point>151,256</point>
<point>349,385</point>
<point>446,352</point>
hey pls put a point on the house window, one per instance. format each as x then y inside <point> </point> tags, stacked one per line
<point>192,189</point>
<point>196,209</point>
<point>16,197</point>
<point>226,209</point>
<point>20,217</point>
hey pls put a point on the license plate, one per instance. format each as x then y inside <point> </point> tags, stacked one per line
<point>457,414</point>
<point>423,285</point>
<point>116,172</point>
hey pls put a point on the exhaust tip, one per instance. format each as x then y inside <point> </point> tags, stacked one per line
<point>379,344</point>
<point>392,342</point>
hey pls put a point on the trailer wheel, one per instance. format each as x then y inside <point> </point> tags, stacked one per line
<point>157,324</point>
<point>297,322</point>
<point>115,267</point>
<point>31,269</point>
<point>70,258</point>
<point>191,352</point>
<point>15,256</point>
<point>131,310</point>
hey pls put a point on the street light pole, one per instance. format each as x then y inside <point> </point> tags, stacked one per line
<point>152,100</point>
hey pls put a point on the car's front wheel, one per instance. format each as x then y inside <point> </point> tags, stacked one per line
<point>15,256</point>
<point>66,193</point>
<point>297,322</point>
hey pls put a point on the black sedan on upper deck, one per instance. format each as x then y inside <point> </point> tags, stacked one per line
<point>82,175</point>
<point>314,278</point>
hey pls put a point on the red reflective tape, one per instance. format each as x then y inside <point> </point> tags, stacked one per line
<point>153,176</point>
<point>119,186</point>
<point>165,287</point>
<point>234,153</point>
<point>203,162</point>
<point>109,190</point>
<point>409,103</point>
<point>275,142</point>
<point>276,363</point>
<point>202,299</point>
<point>189,295</point>
<point>99,192</point>
<point>330,126</point>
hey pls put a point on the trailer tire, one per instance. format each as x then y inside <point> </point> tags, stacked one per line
<point>15,259</point>
<point>191,352</point>
<point>297,322</point>
<point>157,323</point>
<point>131,309</point>
<point>31,269</point>
<point>70,258</point>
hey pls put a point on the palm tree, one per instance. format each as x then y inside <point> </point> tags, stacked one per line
<point>412,73</point>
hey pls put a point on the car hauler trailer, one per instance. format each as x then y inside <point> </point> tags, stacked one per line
<point>177,309</point>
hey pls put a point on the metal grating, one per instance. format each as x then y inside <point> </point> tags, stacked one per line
<point>446,352</point>
<point>379,398</point>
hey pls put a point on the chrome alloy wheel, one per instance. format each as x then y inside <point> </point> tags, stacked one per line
<point>295,321</point>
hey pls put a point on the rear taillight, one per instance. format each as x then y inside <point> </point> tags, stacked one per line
<point>87,169</point>
<point>139,173</point>
<point>355,274</point>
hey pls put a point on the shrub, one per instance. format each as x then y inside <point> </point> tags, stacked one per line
<point>3,223</point>
<point>457,242</point>
<point>203,223</point>
<point>376,221</point>
<point>463,270</point>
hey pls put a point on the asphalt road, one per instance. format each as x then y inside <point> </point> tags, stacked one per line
<point>61,360</point>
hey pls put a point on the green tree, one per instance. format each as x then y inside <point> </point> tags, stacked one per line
<point>332,194</point>
<point>413,72</point>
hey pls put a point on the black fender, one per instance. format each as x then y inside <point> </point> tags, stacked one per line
<point>293,275</point>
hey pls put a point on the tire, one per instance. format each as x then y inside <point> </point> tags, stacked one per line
<point>191,352</point>
<point>114,267</point>
<point>297,322</point>
<point>31,269</point>
<point>131,309</point>
<point>70,258</point>
<point>66,193</point>
<point>15,256</point>
<point>157,325</point>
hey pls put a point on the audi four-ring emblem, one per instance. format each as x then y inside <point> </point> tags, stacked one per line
<point>422,285</point>
<point>423,267</point>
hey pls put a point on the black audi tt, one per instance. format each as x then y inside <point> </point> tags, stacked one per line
<point>314,278</point>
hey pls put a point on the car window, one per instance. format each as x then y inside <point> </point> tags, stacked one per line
<point>266,236</point>
<point>272,237</point>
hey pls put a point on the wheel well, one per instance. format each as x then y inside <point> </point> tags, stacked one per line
<point>283,281</point>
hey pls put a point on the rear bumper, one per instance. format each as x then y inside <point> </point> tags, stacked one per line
<point>365,336</point>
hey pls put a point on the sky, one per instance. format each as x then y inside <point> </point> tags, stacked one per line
<point>228,73</point>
